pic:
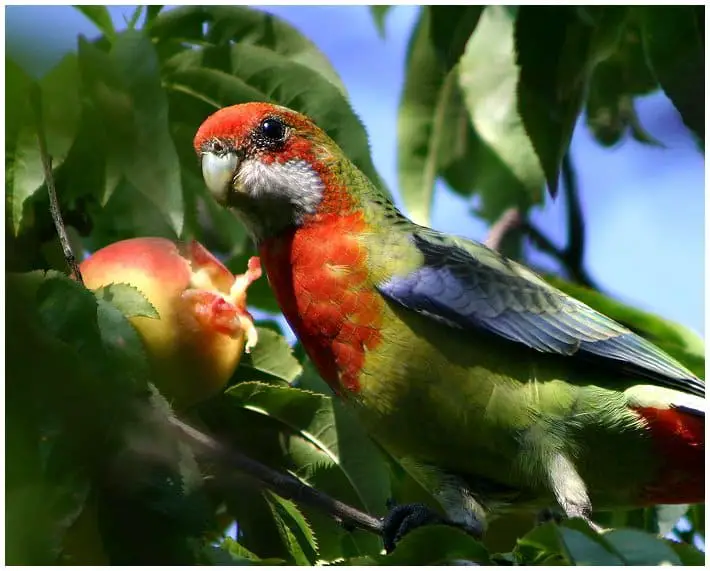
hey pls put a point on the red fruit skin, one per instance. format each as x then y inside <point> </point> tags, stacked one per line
<point>196,344</point>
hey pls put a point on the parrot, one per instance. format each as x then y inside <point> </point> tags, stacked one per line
<point>501,390</point>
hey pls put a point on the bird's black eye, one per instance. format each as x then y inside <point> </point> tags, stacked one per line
<point>273,129</point>
<point>217,147</point>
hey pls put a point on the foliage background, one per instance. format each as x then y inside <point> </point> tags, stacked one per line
<point>639,197</point>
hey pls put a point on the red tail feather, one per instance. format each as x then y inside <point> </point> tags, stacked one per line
<point>680,438</point>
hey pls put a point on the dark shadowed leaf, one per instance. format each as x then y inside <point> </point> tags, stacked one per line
<point>553,52</point>
<point>688,554</point>
<point>125,86</point>
<point>333,436</point>
<point>432,545</point>
<point>450,29</point>
<point>621,74</point>
<point>127,299</point>
<point>673,38</point>
<point>697,518</point>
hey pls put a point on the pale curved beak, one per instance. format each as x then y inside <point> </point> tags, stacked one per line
<point>218,172</point>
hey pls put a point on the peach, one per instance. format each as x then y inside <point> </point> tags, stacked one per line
<point>203,328</point>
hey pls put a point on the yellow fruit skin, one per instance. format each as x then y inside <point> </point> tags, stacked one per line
<point>196,344</point>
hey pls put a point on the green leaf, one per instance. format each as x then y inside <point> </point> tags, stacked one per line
<point>433,545</point>
<point>621,74</point>
<point>128,300</point>
<point>379,15</point>
<point>422,123</point>
<point>574,541</point>
<point>582,546</point>
<point>328,430</point>
<point>101,17</point>
<point>222,25</point>
<point>151,14</point>
<point>488,78</point>
<point>450,29</point>
<point>294,530</point>
<point>271,358</point>
<point>641,548</point>
<point>673,38</point>
<point>125,85</point>
<point>553,49</point>
<point>697,518</point>
<point>688,554</point>
<point>242,73</point>
<point>60,112</point>
<point>436,137</point>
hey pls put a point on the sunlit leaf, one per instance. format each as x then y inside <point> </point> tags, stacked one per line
<point>489,79</point>
<point>128,299</point>
<point>60,111</point>
<point>221,25</point>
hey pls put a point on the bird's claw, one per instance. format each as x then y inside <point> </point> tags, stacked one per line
<point>404,518</point>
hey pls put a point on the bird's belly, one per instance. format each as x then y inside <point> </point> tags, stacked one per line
<point>483,408</point>
<point>455,404</point>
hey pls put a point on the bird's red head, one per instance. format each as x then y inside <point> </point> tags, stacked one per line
<point>265,161</point>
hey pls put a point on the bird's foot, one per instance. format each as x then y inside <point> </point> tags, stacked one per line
<point>406,517</point>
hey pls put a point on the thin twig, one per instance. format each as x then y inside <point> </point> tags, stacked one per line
<point>575,220</point>
<point>508,221</point>
<point>36,97</point>
<point>282,484</point>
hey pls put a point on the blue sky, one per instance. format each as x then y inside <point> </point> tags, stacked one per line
<point>644,206</point>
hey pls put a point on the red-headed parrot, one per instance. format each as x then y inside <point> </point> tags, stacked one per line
<point>500,388</point>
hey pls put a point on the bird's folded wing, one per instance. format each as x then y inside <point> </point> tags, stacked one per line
<point>468,286</point>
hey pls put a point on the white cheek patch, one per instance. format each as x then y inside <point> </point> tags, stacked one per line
<point>294,180</point>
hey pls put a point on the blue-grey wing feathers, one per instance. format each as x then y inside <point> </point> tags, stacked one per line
<point>468,286</point>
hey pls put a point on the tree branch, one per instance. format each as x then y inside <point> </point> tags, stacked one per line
<point>282,484</point>
<point>574,251</point>
<point>508,221</point>
<point>36,97</point>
